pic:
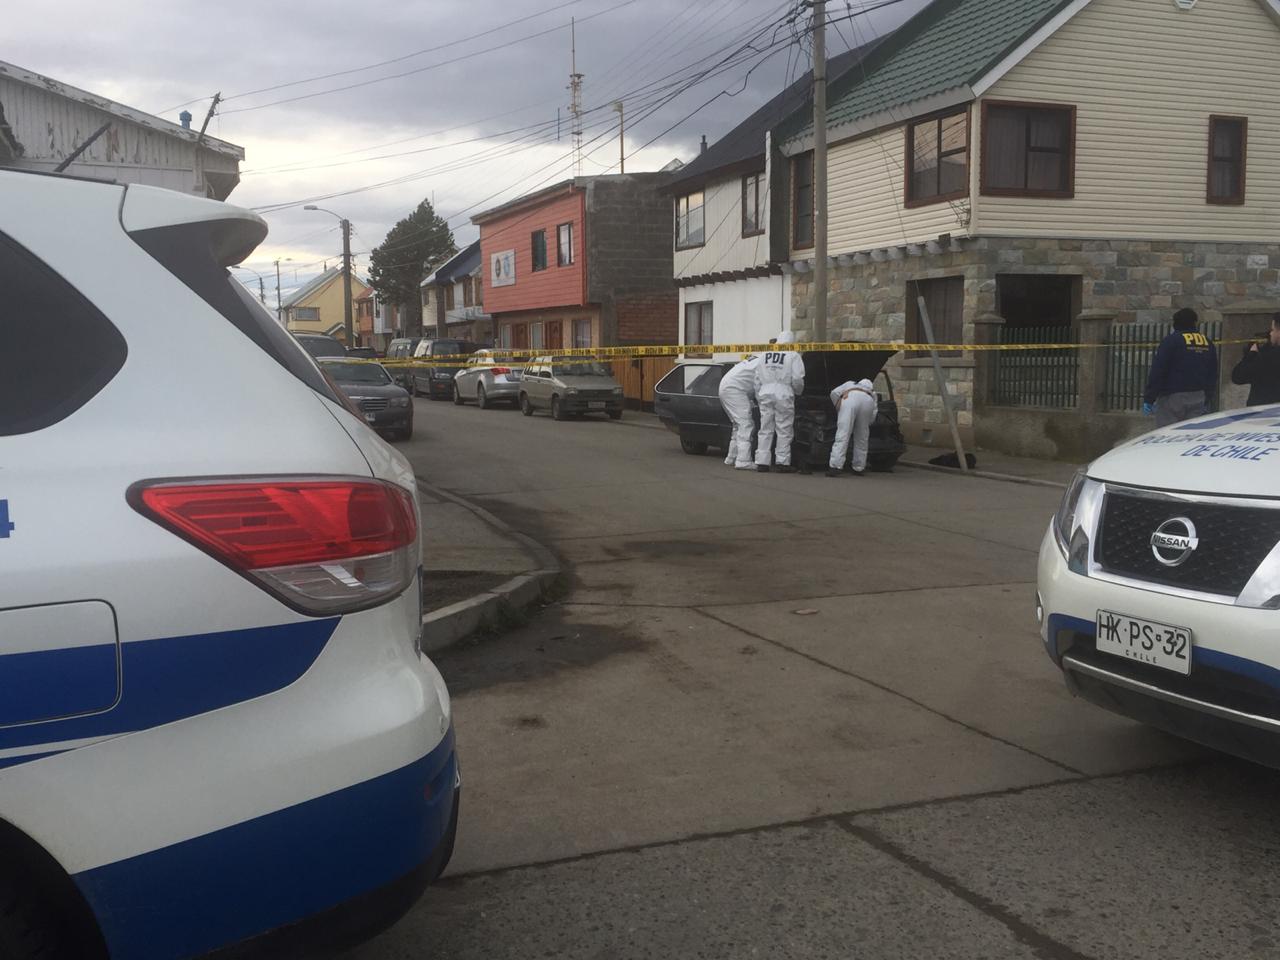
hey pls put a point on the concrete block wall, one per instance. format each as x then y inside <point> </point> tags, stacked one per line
<point>629,237</point>
<point>648,318</point>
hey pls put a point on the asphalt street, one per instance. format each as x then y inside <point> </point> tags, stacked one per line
<point>786,716</point>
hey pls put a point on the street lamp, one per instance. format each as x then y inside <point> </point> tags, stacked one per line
<point>346,270</point>
<point>262,285</point>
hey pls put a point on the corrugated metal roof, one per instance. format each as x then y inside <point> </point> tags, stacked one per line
<point>41,82</point>
<point>950,44</point>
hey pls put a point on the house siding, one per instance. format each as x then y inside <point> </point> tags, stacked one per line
<point>1145,77</point>
<point>865,199</point>
<point>555,286</point>
<point>725,249</point>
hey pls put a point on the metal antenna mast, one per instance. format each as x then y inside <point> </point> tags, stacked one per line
<point>575,98</point>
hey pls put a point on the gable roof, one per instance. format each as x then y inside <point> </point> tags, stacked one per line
<point>459,265</point>
<point>742,148</point>
<point>316,284</point>
<point>931,63</point>
<point>30,78</point>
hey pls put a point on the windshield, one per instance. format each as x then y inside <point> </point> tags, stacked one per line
<point>591,368</point>
<point>357,372</point>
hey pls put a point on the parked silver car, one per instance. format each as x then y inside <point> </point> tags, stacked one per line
<point>568,387</point>
<point>487,380</point>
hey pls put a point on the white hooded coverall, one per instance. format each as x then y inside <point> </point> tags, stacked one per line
<point>779,380</point>
<point>856,407</point>
<point>736,389</point>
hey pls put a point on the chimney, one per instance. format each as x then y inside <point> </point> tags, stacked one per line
<point>704,144</point>
<point>185,118</point>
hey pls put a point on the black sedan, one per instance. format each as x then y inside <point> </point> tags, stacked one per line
<point>373,394</point>
<point>687,402</point>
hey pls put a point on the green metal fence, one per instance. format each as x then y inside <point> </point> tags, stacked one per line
<point>1130,350</point>
<point>1037,378</point>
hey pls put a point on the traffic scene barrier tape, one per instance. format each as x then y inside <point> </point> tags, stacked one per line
<point>506,356</point>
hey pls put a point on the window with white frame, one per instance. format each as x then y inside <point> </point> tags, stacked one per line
<point>306,313</point>
<point>690,221</point>
<point>535,336</point>
<point>564,245</point>
<point>753,198</point>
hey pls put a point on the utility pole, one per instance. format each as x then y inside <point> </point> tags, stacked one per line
<point>820,170</point>
<point>262,290</point>
<point>575,98</point>
<point>279,312</point>
<point>622,137</point>
<point>346,282</point>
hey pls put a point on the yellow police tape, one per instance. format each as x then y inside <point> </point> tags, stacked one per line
<point>504,356</point>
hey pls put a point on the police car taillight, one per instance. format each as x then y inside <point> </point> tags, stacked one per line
<point>321,546</point>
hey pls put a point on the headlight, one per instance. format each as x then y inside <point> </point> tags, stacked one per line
<point>443,375</point>
<point>1064,520</point>
<point>399,401</point>
<point>1077,515</point>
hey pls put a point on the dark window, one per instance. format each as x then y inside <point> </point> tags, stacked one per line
<point>539,242</point>
<point>478,289</point>
<point>1037,300</point>
<point>41,384</point>
<point>467,297</point>
<point>944,299</point>
<point>448,297</point>
<point>802,200</point>
<point>692,380</point>
<point>753,198</point>
<point>306,313</point>
<point>938,159</point>
<point>690,221</point>
<point>697,323</point>
<point>1028,150</point>
<point>564,245</point>
<point>1228,146</point>
<point>184,250</point>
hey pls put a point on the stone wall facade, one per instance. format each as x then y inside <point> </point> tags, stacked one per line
<point>1130,280</point>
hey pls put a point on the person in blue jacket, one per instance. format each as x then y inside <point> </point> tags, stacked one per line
<point>1184,374</point>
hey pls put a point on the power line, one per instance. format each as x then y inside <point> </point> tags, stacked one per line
<point>431,66</point>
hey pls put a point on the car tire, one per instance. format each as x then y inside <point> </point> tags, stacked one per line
<point>615,414</point>
<point>457,397</point>
<point>27,932</point>
<point>557,410</point>
<point>525,406</point>
<point>695,448</point>
<point>482,401</point>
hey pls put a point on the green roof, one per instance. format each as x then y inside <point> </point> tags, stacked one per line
<point>946,47</point>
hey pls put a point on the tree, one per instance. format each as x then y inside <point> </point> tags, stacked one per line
<point>411,249</point>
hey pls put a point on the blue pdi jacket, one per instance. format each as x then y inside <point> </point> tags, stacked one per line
<point>1184,361</point>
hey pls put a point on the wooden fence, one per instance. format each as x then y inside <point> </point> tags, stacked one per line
<point>638,377</point>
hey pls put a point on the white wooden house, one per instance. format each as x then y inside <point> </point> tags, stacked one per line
<point>44,123</point>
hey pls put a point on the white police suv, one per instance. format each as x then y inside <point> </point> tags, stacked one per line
<point>217,731</point>
<point>1159,582</point>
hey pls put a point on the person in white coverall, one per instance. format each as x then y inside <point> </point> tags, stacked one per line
<point>779,380</point>
<point>737,387</point>
<point>856,406</point>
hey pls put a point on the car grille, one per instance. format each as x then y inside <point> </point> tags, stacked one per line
<point>1234,540</point>
<point>595,394</point>
<point>375,403</point>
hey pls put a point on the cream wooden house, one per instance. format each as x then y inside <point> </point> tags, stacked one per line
<point>1021,163</point>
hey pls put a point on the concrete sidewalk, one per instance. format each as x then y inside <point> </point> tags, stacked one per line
<point>476,569</point>
<point>997,465</point>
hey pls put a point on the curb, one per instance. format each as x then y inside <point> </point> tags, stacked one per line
<point>443,628</point>
<point>984,474</point>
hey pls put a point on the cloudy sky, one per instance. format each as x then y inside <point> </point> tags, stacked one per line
<point>374,106</point>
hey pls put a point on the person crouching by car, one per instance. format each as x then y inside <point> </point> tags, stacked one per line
<point>1260,368</point>
<point>779,380</point>
<point>1184,373</point>
<point>737,390</point>
<point>856,407</point>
